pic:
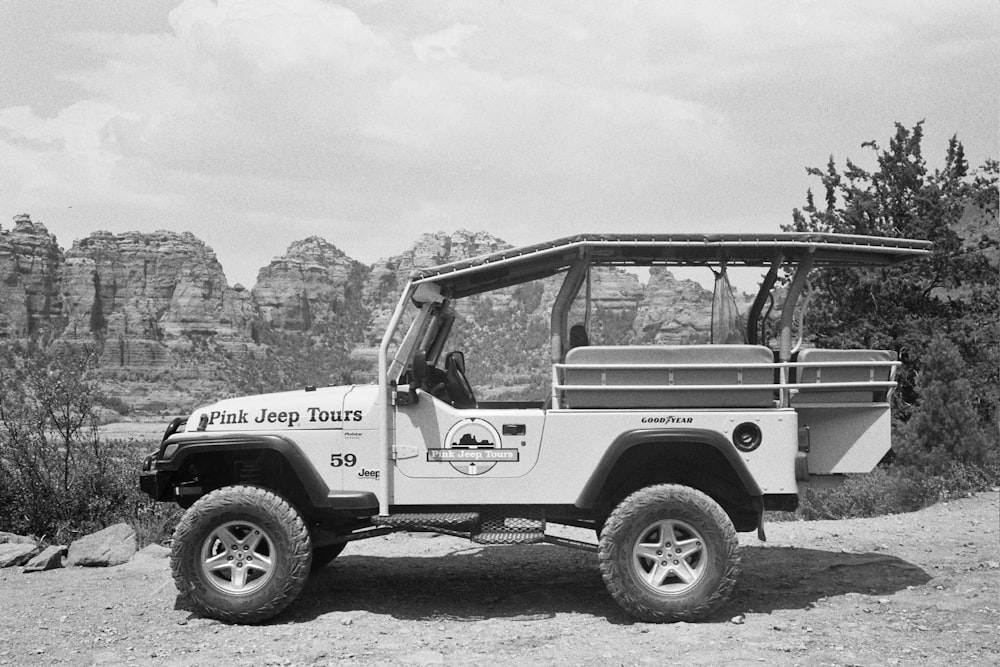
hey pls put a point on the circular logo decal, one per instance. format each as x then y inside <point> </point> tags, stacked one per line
<point>471,442</point>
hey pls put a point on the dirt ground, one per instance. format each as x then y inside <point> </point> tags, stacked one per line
<point>921,588</point>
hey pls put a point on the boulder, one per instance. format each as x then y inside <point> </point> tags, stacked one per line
<point>112,546</point>
<point>49,559</point>
<point>17,554</point>
<point>155,551</point>
<point>12,538</point>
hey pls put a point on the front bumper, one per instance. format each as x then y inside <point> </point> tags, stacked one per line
<point>155,484</point>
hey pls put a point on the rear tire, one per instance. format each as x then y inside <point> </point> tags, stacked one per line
<point>241,554</point>
<point>669,553</point>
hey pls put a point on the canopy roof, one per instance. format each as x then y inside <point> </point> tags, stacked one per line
<point>519,265</point>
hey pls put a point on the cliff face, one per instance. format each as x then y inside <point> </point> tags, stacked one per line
<point>612,290</point>
<point>673,311</point>
<point>389,275</point>
<point>159,306</point>
<point>30,267</point>
<point>311,285</point>
<point>156,290</point>
<point>677,312</point>
<point>143,291</point>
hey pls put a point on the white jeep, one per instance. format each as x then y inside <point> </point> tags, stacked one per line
<point>665,450</point>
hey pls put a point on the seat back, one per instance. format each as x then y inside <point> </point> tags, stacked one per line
<point>671,367</point>
<point>880,371</point>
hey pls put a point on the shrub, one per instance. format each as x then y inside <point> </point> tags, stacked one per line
<point>58,479</point>
<point>945,428</point>
<point>895,489</point>
<point>115,403</point>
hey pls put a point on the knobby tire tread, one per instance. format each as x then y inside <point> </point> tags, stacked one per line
<point>220,500</point>
<point>612,545</point>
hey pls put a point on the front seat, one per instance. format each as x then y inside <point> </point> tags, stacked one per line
<point>459,389</point>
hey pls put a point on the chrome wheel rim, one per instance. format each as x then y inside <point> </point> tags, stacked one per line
<point>238,557</point>
<point>669,557</point>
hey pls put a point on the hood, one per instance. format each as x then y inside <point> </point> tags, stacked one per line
<point>323,408</point>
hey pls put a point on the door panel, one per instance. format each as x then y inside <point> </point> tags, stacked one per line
<point>434,440</point>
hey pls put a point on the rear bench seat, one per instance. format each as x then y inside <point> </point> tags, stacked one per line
<point>673,358</point>
<point>821,375</point>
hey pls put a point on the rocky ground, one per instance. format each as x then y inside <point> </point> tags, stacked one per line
<point>921,588</point>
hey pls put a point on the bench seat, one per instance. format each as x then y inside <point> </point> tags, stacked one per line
<point>879,371</point>
<point>672,366</point>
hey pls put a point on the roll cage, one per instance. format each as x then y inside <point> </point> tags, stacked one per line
<point>433,289</point>
<point>576,255</point>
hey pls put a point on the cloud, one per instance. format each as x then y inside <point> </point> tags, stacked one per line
<point>306,90</point>
<point>293,117</point>
<point>444,44</point>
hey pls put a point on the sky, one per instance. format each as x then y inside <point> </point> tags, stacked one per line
<point>256,123</point>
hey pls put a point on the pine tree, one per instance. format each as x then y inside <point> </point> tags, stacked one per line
<point>944,427</point>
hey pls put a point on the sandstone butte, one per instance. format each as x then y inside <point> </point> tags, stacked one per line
<point>146,300</point>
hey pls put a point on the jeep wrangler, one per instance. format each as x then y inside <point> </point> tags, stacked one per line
<point>666,451</point>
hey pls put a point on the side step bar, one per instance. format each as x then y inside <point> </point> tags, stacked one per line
<point>417,522</point>
<point>480,527</point>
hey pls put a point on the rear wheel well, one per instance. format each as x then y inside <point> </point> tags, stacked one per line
<point>696,465</point>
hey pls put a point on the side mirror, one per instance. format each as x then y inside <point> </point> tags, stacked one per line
<point>457,358</point>
<point>419,368</point>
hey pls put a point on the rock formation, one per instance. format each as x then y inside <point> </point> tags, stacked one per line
<point>673,311</point>
<point>141,292</point>
<point>389,275</point>
<point>30,266</point>
<point>312,284</point>
<point>677,312</point>
<point>159,308</point>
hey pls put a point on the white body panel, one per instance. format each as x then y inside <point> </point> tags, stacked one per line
<point>524,456</point>
<point>560,451</point>
<point>289,411</point>
<point>576,440</point>
<point>427,425</point>
<point>846,440</point>
<point>330,425</point>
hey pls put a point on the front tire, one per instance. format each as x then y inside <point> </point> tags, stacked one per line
<point>669,553</point>
<point>241,554</point>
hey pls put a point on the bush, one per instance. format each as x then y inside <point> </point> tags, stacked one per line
<point>115,403</point>
<point>891,490</point>
<point>58,479</point>
<point>945,428</point>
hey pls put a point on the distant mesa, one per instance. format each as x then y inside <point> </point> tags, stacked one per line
<point>158,306</point>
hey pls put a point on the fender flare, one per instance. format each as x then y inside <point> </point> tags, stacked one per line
<point>319,494</point>
<point>626,441</point>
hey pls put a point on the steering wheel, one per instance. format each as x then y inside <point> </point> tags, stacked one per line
<point>459,389</point>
